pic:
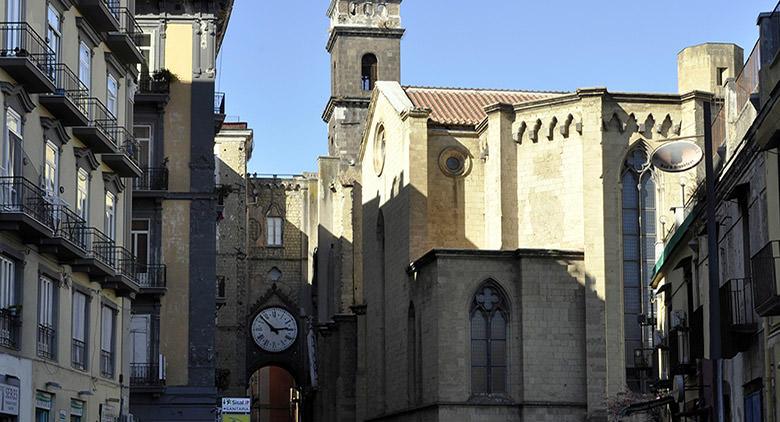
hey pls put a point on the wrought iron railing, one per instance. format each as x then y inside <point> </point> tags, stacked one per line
<point>101,118</point>
<point>46,341</point>
<point>127,143</point>
<point>70,226</point>
<point>151,276</point>
<point>78,354</point>
<point>129,26</point>
<point>106,364</point>
<point>125,262</point>
<point>10,325</point>
<point>737,301</point>
<point>19,39</point>
<point>219,103</point>
<point>21,196</point>
<point>152,179</point>
<point>69,85</point>
<point>145,375</point>
<point>100,247</point>
<point>149,85</point>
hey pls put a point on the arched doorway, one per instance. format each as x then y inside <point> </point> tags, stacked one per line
<point>275,395</point>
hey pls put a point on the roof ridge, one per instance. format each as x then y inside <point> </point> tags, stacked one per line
<point>451,88</point>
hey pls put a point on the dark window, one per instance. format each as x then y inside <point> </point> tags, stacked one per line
<point>639,237</point>
<point>720,75</point>
<point>368,73</point>
<point>489,320</point>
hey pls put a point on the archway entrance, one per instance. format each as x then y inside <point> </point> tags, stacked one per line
<point>275,396</point>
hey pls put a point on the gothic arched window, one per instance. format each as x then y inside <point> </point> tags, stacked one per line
<point>368,72</point>
<point>489,320</point>
<point>639,238</point>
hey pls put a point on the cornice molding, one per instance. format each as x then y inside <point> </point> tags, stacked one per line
<point>334,102</point>
<point>359,31</point>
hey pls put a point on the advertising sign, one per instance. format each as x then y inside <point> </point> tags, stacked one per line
<point>677,156</point>
<point>227,417</point>
<point>236,405</point>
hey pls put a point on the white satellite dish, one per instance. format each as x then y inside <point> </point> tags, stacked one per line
<point>677,156</point>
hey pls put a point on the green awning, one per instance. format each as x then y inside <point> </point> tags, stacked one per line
<point>671,246</point>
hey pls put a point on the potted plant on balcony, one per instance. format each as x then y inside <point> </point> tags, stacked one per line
<point>163,75</point>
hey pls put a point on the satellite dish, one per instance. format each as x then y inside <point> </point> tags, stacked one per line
<point>677,156</point>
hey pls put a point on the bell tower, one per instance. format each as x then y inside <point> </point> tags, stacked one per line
<point>365,47</point>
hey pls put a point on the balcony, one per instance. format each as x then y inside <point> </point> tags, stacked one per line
<point>125,280</point>
<point>147,378</point>
<point>68,102</point>
<point>103,15</point>
<point>152,278</point>
<point>125,161</point>
<point>154,89</point>
<point>78,354</point>
<point>106,364</point>
<point>46,341</point>
<point>26,57</point>
<point>69,242</point>
<point>219,110</point>
<point>153,181</point>
<point>24,209</point>
<point>125,42</point>
<point>10,327</point>
<point>101,259</point>
<point>99,134</point>
<point>766,266</point>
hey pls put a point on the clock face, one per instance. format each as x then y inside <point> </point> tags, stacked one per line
<point>274,329</point>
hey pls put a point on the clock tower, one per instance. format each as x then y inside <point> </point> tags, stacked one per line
<point>365,47</point>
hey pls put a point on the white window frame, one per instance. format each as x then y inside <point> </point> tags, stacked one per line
<point>46,289</point>
<point>274,229</point>
<point>80,312</point>
<point>54,32</point>
<point>82,194</point>
<point>51,169</point>
<point>107,327</point>
<point>110,215</point>
<point>112,95</point>
<point>85,64</point>
<point>7,283</point>
<point>13,123</point>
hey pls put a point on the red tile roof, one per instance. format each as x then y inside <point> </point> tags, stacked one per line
<point>456,106</point>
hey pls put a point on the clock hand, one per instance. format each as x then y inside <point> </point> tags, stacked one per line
<point>273,329</point>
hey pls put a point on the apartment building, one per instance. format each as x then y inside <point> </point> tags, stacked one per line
<point>175,213</point>
<point>67,77</point>
<point>747,210</point>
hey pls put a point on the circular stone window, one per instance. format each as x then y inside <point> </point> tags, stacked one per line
<point>454,162</point>
<point>379,150</point>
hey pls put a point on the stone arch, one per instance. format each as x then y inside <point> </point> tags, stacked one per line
<point>369,71</point>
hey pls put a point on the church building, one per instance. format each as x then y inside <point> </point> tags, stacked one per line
<point>473,254</point>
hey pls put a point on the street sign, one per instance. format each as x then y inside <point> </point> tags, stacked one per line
<point>236,405</point>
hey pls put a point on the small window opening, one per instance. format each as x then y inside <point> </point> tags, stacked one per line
<point>369,72</point>
<point>721,75</point>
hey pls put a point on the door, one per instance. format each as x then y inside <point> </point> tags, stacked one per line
<point>140,369</point>
<point>13,13</point>
<point>140,245</point>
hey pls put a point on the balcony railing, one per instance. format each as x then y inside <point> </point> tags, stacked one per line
<point>106,364</point>
<point>219,103</point>
<point>100,247</point>
<point>46,342</point>
<point>125,262</point>
<point>78,354</point>
<point>70,226</point>
<point>19,39</point>
<point>765,265</point>
<point>146,375</point>
<point>152,276</point>
<point>68,84</point>
<point>129,26</point>
<point>10,325</point>
<point>737,305</point>
<point>153,179</point>
<point>100,117</point>
<point>21,196</point>
<point>151,85</point>
<point>127,143</point>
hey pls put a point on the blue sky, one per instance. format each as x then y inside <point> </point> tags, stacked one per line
<point>274,67</point>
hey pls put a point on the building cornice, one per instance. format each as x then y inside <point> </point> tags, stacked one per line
<point>435,254</point>
<point>363,32</point>
<point>334,102</point>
